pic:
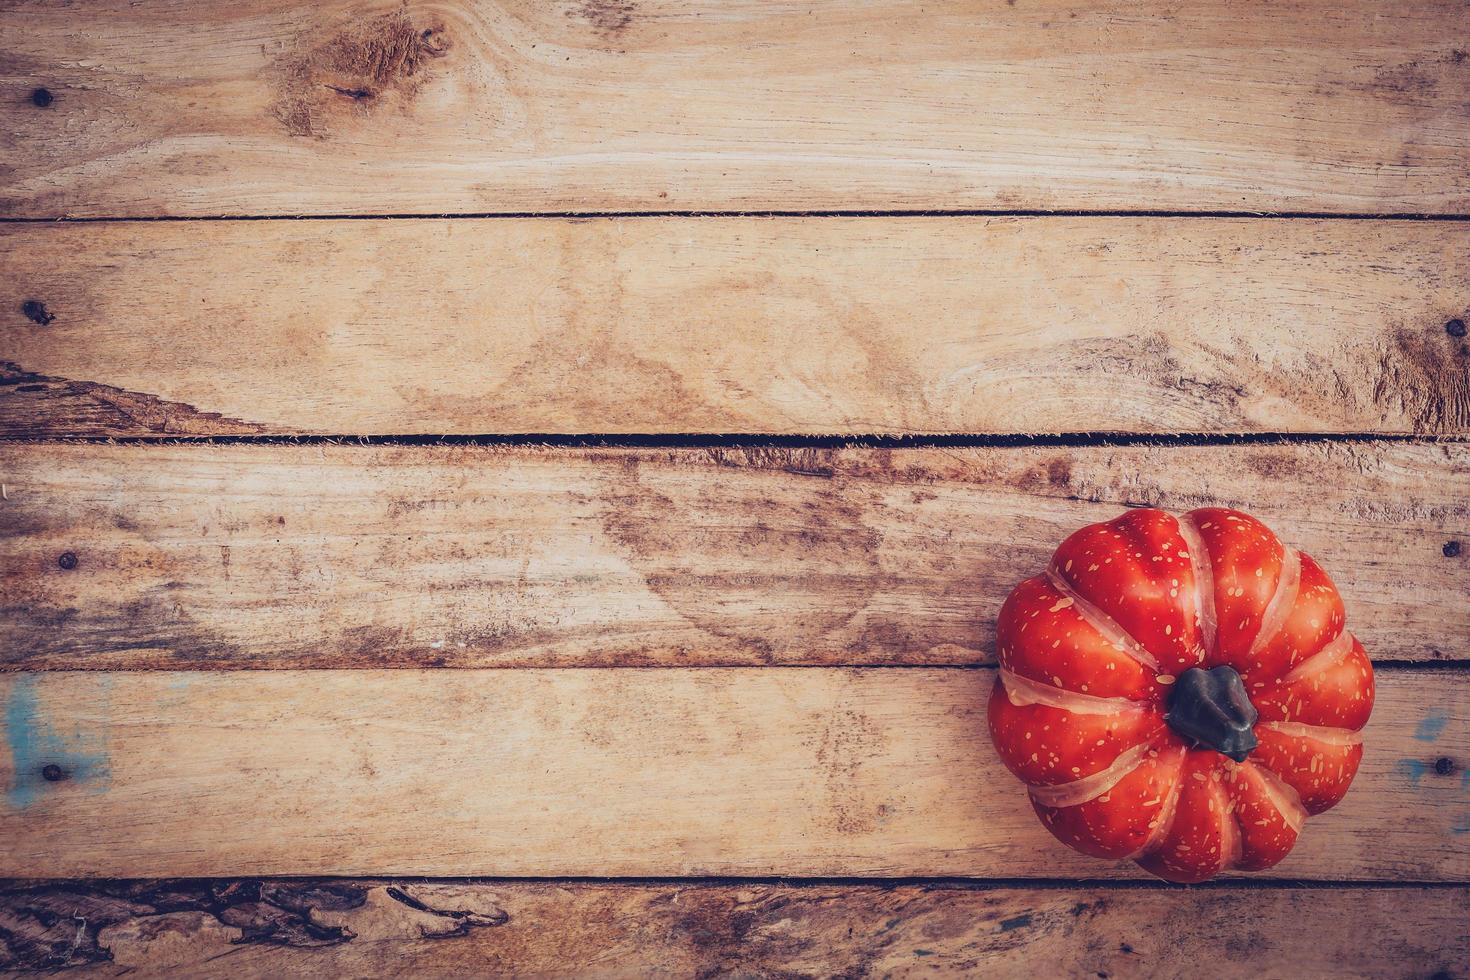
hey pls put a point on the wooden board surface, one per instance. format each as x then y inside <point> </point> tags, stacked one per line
<point>362,556</point>
<point>618,772</point>
<point>679,219</point>
<point>789,325</point>
<point>290,107</point>
<point>394,928</point>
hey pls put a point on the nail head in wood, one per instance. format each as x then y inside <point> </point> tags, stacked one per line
<point>1455,327</point>
<point>1444,765</point>
<point>67,560</point>
<point>1451,549</point>
<point>53,773</point>
<point>42,97</point>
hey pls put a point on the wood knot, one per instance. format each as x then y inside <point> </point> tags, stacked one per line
<point>36,312</point>
<point>68,560</point>
<point>374,64</point>
<point>42,97</point>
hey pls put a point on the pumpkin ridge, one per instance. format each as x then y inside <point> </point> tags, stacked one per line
<point>1204,583</point>
<point>1283,600</point>
<point>1105,625</point>
<point>1022,691</point>
<point>1331,654</point>
<point>1089,788</point>
<point>1326,734</point>
<point>1167,813</point>
<point>1286,800</point>
<point>1232,835</point>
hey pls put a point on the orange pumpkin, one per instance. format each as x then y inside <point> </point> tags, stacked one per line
<point>1181,692</point>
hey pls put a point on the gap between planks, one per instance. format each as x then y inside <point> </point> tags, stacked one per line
<point>757,440</point>
<point>830,213</point>
<point>951,882</point>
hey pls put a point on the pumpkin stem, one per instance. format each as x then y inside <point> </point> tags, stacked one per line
<point>1212,708</point>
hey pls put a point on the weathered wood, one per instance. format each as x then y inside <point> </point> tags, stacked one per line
<point>618,772</point>
<point>811,325</point>
<point>395,928</point>
<point>289,107</point>
<point>215,556</point>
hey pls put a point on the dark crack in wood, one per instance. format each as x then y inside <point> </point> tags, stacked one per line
<point>62,925</point>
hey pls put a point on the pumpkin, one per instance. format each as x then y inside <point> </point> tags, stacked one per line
<point>1180,691</point>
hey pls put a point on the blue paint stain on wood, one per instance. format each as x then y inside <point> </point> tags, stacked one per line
<point>1412,769</point>
<point>35,743</point>
<point>1432,726</point>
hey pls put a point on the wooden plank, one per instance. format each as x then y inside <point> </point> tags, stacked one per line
<point>394,928</point>
<point>791,325</point>
<point>289,107</point>
<point>215,556</point>
<point>618,772</point>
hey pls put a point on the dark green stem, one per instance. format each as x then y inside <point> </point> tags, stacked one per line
<point>1211,708</point>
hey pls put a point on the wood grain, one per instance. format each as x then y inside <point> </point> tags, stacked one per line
<point>218,556</point>
<point>789,325</point>
<point>289,107</point>
<point>618,772</point>
<point>393,928</point>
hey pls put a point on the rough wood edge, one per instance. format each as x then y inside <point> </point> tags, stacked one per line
<point>707,926</point>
